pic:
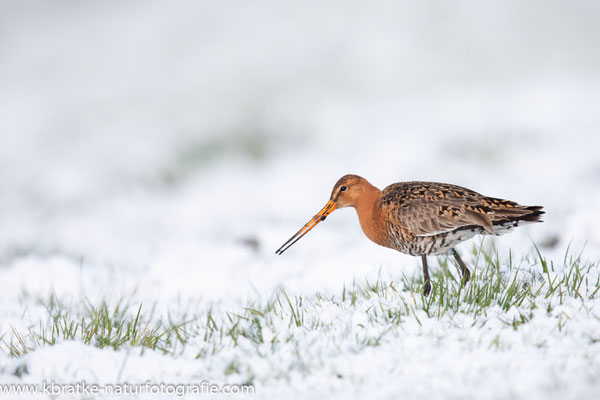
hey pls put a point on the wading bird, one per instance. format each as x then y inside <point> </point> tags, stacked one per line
<point>422,218</point>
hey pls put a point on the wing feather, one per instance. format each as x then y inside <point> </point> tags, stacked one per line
<point>431,208</point>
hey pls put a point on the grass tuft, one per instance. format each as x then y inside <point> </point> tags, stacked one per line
<point>363,315</point>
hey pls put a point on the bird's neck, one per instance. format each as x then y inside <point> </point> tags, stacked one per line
<point>369,215</point>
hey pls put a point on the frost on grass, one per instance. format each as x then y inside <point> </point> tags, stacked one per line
<point>527,329</point>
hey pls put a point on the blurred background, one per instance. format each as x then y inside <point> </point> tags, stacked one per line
<point>173,146</point>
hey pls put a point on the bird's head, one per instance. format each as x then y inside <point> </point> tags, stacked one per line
<point>346,192</point>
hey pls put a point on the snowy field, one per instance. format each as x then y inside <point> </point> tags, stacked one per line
<point>154,155</point>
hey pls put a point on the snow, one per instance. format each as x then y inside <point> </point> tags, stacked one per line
<point>164,151</point>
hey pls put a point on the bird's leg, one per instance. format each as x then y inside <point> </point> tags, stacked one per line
<point>466,274</point>
<point>426,280</point>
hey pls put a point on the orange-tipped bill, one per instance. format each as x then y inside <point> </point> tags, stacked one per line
<point>328,209</point>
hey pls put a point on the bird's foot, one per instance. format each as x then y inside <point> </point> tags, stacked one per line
<point>427,287</point>
<point>466,277</point>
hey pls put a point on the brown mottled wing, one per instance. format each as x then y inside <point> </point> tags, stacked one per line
<point>431,208</point>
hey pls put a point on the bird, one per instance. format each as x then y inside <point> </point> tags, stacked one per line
<point>422,218</point>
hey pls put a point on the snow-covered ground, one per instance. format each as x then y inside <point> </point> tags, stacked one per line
<point>162,151</point>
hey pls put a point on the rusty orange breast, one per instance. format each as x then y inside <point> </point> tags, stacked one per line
<point>373,220</point>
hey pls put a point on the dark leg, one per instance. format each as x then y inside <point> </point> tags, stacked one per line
<point>466,274</point>
<point>426,280</point>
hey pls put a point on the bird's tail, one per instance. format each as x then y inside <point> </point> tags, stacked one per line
<point>507,218</point>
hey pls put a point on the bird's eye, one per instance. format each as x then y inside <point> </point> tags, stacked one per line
<point>343,188</point>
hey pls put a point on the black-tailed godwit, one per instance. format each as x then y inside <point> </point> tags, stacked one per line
<point>422,218</point>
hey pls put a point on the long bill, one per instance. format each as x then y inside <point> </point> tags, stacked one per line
<point>321,215</point>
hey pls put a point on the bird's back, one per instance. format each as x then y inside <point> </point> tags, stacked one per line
<point>431,217</point>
